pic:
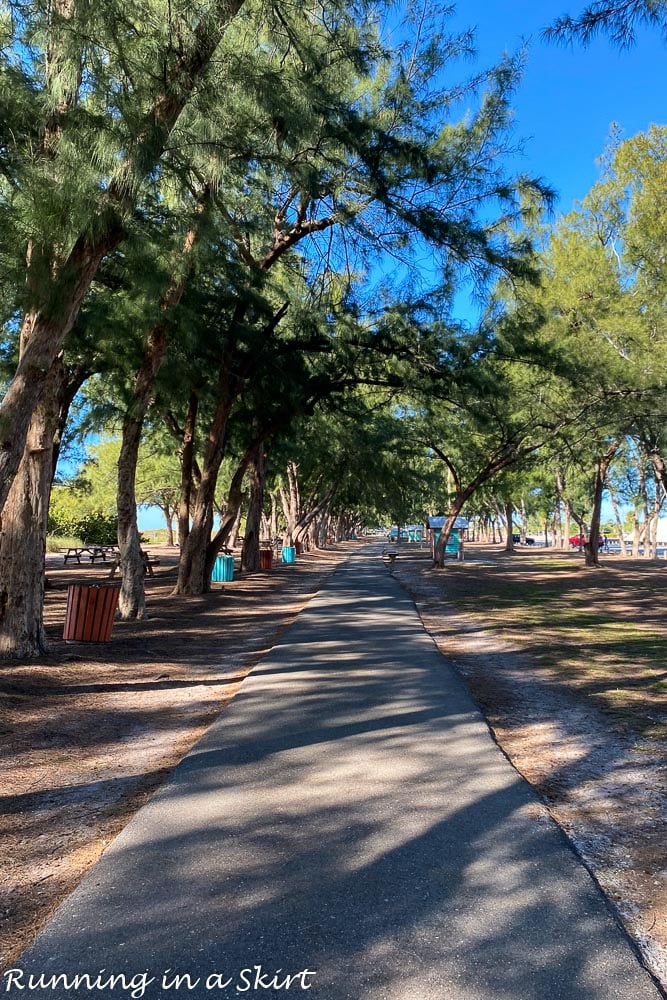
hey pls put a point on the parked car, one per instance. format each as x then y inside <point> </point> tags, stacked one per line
<point>578,541</point>
<point>528,540</point>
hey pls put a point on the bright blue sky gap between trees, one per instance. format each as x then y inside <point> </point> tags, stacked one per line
<point>569,96</point>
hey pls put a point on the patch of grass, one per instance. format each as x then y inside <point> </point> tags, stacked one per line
<point>156,536</point>
<point>55,543</point>
<point>601,631</point>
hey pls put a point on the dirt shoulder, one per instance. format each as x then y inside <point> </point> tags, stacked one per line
<point>87,732</point>
<point>565,664</point>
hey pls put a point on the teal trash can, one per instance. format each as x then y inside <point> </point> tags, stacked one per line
<point>223,571</point>
<point>289,553</point>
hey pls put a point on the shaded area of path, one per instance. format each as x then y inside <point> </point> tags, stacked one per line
<point>348,814</point>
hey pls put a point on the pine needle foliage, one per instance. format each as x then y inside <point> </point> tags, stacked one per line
<point>619,19</point>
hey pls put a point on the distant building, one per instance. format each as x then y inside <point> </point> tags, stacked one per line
<point>409,533</point>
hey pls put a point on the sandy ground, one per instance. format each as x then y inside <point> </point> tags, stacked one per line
<point>605,787</point>
<point>89,731</point>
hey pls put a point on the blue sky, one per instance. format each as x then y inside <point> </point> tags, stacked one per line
<point>570,95</point>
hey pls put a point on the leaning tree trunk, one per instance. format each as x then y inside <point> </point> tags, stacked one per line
<point>257,471</point>
<point>23,537</point>
<point>192,564</point>
<point>41,341</point>
<point>460,499</point>
<point>306,527</point>
<point>450,520</point>
<point>232,516</point>
<point>71,383</point>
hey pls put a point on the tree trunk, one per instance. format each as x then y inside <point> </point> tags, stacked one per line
<point>274,519</point>
<point>655,519</point>
<point>303,526</point>
<point>234,537</point>
<point>643,493</point>
<point>592,547</point>
<point>454,511</point>
<point>41,341</point>
<point>257,470</point>
<point>192,575</point>
<point>339,528</point>
<point>232,516</point>
<point>561,527</point>
<point>290,499</point>
<point>619,523</point>
<point>169,522</point>
<point>509,516</point>
<point>636,535</point>
<point>189,468</point>
<point>23,537</point>
<point>659,467</point>
<point>461,497</point>
<point>132,598</point>
<point>71,383</point>
<point>566,525</point>
<point>505,457</point>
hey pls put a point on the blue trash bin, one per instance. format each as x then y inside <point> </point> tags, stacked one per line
<point>289,553</point>
<point>223,571</point>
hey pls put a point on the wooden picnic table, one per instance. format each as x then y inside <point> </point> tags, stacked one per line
<point>93,552</point>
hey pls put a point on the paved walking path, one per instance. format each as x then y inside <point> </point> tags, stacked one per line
<point>349,821</point>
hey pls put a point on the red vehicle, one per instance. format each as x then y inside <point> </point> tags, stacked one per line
<point>578,541</point>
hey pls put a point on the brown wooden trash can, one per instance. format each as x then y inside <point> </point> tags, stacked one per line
<point>90,612</point>
<point>265,558</point>
<point>299,547</point>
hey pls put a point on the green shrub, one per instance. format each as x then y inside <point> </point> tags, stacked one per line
<point>94,527</point>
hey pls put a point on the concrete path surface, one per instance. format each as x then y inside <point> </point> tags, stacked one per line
<point>350,822</point>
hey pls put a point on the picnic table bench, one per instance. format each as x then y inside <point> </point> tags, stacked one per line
<point>93,552</point>
<point>389,559</point>
<point>149,562</point>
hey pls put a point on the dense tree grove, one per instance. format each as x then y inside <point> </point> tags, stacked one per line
<point>232,236</point>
